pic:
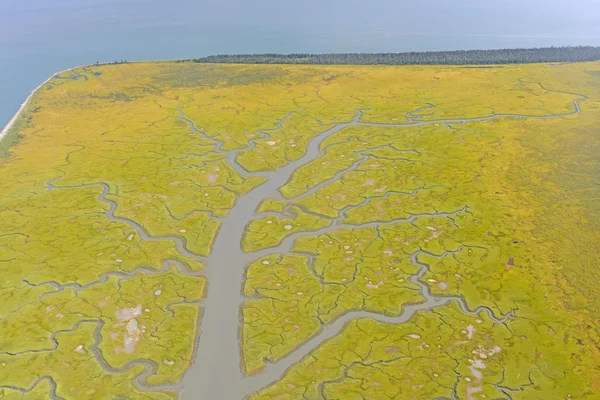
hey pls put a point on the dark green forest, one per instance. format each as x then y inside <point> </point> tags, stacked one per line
<point>503,56</point>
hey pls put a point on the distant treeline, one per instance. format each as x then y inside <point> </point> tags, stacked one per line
<point>503,56</point>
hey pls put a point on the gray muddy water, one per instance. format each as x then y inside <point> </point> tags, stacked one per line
<point>216,372</point>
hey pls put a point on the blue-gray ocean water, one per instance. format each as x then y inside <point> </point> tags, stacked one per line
<point>39,37</point>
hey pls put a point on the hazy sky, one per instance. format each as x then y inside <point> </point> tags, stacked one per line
<point>38,37</point>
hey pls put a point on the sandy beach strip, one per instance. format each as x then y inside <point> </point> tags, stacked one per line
<point>12,121</point>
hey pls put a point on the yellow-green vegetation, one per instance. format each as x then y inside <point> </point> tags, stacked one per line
<point>297,295</point>
<point>477,186</point>
<point>271,230</point>
<point>73,368</point>
<point>146,310</point>
<point>435,355</point>
<point>272,205</point>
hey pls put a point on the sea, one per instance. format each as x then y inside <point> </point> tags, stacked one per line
<point>40,37</point>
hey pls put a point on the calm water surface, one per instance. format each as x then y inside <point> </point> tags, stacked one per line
<point>39,37</point>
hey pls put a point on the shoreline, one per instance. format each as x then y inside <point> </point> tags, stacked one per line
<point>5,130</point>
<point>24,104</point>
